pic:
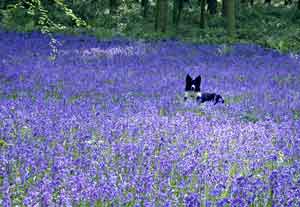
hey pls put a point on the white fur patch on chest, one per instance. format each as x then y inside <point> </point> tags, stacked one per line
<point>192,94</point>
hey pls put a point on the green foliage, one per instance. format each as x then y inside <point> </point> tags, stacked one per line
<point>274,27</point>
<point>17,18</point>
<point>88,9</point>
<point>225,49</point>
<point>230,17</point>
<point>2,143</point>
<point>234,99</point>
<point>296,114</point>
<point>250,117</point>
<point>163,111</point>
<point>34,15</point>
<point>69,13</point>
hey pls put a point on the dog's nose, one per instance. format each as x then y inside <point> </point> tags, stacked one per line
<point>193,87</point>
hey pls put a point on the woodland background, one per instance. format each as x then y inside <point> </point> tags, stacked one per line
<point>270,23</point>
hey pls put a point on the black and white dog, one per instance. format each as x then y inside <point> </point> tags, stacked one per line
<point>193,89</point>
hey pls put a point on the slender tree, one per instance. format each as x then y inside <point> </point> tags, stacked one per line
<point>157,11</point>
<point>177,10</point>
<point>268,2</point>
<point>164,14</point>
<point>224,8</point>
<point>202,14</point>
<point>212,6</point>
<point>145,5</point>
<point>113,4</point>
<point>161,15</point>
<point>230,17</point>
<point>2,4</point>
<point>245,1</point>
<point>237,8</point>
<point>288,2</point>
<point>180,7</point>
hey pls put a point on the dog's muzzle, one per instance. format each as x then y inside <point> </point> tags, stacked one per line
<point>192,94</point>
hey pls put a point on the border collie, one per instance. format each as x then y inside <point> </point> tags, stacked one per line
<point>192,89</point>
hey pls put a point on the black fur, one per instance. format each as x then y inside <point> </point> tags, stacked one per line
<point>216,98</point>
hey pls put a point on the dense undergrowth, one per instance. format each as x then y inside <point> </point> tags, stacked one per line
<point>274,27</point>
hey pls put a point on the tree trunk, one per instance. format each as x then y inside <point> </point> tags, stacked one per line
<point>202,14</point>
<point>180,7</point>
<point>237,8</point>
<point>299,4</point>
<point>212,6</point>
<point>224,2</point>
<point>268,2</point>
<point>161,15</point>
<point>230,17</point>
<point>144,4</point>
<point>164,15</point>
<point>288,2</point>
<point>251,2</point>
<point>113,6</point>
<point>157,10</point>
<point>2,4</point>
<point>177,10</point>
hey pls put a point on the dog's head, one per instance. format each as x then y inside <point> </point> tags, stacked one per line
<point>192,87</point>
<point>218,99</point>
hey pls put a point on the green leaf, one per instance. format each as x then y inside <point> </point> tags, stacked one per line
<point>2,143</point>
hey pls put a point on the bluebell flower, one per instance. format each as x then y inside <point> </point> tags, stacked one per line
<point>192,200</point>
<point>105,122</point>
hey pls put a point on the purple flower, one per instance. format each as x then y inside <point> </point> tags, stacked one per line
<point>192,200</point>
<point>105,123</point>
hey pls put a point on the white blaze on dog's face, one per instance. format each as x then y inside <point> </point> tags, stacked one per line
<point>192,87</point>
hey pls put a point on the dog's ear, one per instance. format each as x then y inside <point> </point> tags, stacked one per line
<point>198,80</point>
<point>188,78</point>
<point>198,83</point>
<point>188,82</point>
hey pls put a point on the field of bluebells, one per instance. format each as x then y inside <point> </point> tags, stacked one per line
<point>104,124</point>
